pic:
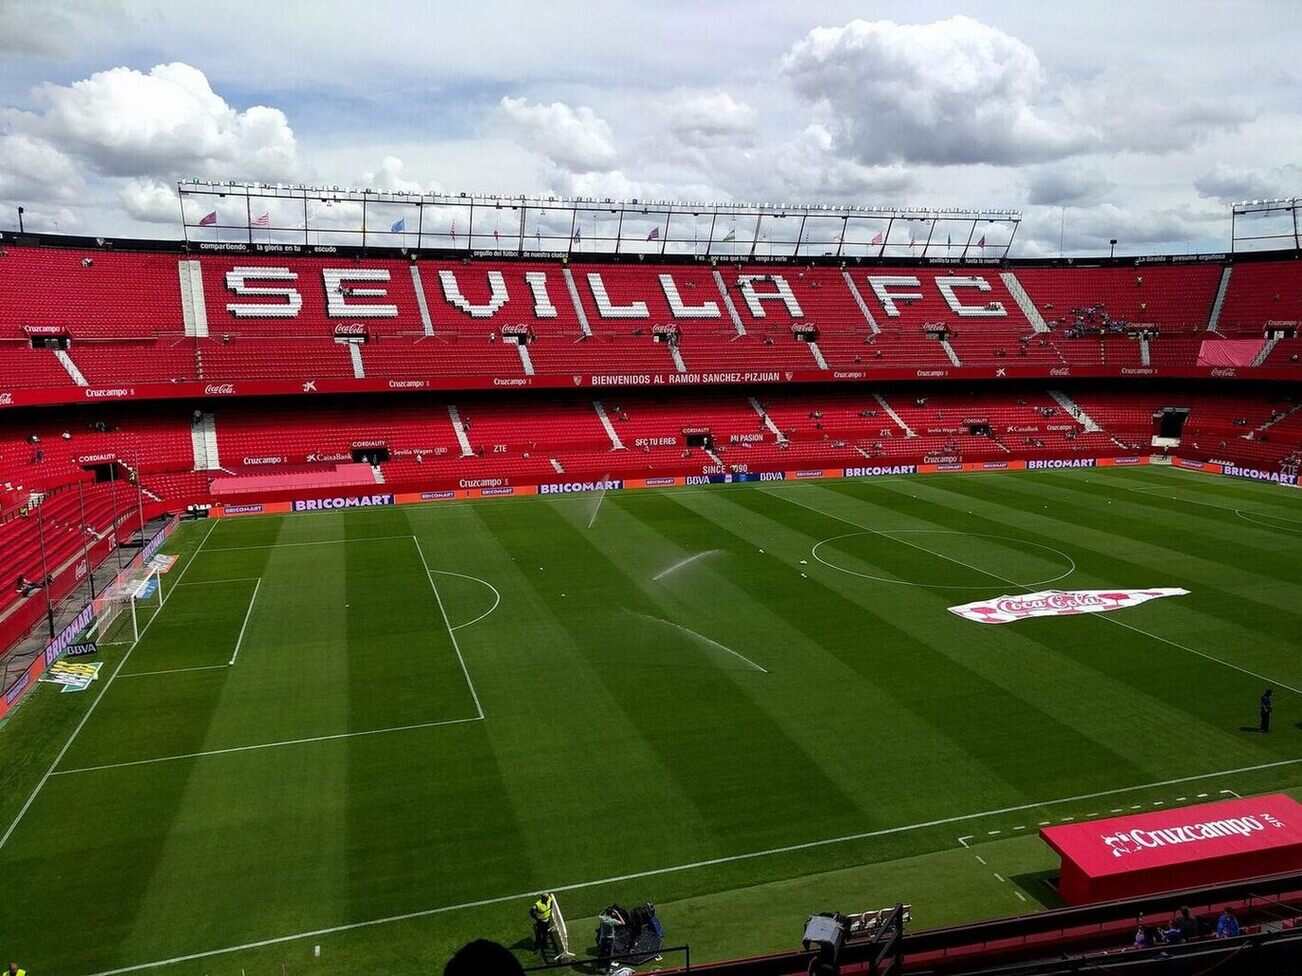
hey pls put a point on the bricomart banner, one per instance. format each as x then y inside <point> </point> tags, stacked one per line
<point>340,501</point>
<point>568,487</point>
<point>499,488</point>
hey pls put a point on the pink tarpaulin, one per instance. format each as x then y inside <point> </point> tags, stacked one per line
<point>1229,352</point>
<point>341,475</point>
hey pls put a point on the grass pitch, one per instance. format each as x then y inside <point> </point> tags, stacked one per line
<point>380,731</point>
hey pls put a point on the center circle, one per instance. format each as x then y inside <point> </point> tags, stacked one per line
<point>888,534</point>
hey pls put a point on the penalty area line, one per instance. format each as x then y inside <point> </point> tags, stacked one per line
<point>150,674</point>
<point>239,641</point>
<point>266,745</point>
<point>675,869</point>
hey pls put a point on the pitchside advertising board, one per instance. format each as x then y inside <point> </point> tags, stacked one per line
<point>338,501</point>
<point>1184,847</point>
<point>467,489</point>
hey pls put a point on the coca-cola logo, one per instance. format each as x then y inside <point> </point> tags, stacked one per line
<point>6,399</point>
<point>1053,601</point>
<point>1225,371</point>
<point>1058,603</point>
<point>219,389</point>
<point>350,329</point>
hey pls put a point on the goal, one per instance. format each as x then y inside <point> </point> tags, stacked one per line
<point>125,606</point>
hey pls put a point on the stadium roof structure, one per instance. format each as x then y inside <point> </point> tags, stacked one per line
<point>1265,225</point>
<point>554,226</point>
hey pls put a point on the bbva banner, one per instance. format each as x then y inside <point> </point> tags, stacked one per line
<point>1058,603</point>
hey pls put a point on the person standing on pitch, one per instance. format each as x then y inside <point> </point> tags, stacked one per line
<point>541,913</point>
<point>1266,706</point>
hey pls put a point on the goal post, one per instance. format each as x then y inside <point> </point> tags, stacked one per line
<point>125,607</point>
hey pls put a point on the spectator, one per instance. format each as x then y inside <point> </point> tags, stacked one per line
<point>1188,924</point>
<point>480,957</point>
<point>1227,926</point>
<point>1142,940</point>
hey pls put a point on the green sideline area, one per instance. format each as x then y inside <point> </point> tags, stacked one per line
<point>379,731</point>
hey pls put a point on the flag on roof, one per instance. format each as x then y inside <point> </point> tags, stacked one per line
<point>730,236</point>
<point>208,220</point>
<point>877,238</point>
<point>454,229</point>
<point>982,243</point>
<point>497,236</point>
<point>262,220</point>
<point>578,233</point>
<point>654,235</point>
<point>399,226</point>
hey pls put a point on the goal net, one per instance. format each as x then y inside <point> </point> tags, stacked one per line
<point>125,606</point>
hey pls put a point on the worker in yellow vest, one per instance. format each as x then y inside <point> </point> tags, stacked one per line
<point>541,913</point>
<point>15,971</point>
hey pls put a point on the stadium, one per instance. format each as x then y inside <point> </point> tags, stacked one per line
<point>712,587</point>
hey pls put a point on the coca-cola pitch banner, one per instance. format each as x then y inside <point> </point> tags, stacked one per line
<point>1058,603</point>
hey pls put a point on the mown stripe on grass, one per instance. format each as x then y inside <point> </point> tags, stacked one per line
<point>708,733</point>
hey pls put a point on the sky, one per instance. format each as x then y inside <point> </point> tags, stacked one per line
<point>1139,121</point>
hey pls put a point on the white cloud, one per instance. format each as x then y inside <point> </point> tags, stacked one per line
<point>953,91</point>
<point>389,177</point>
<point>1138,110</point>
<point>806,169</point>
<point>1228,184</point>
<point>32,169</point>
<point>168,122</point>
<point>575,139</point>
<point>150,201</point>
<point>710,119</point>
